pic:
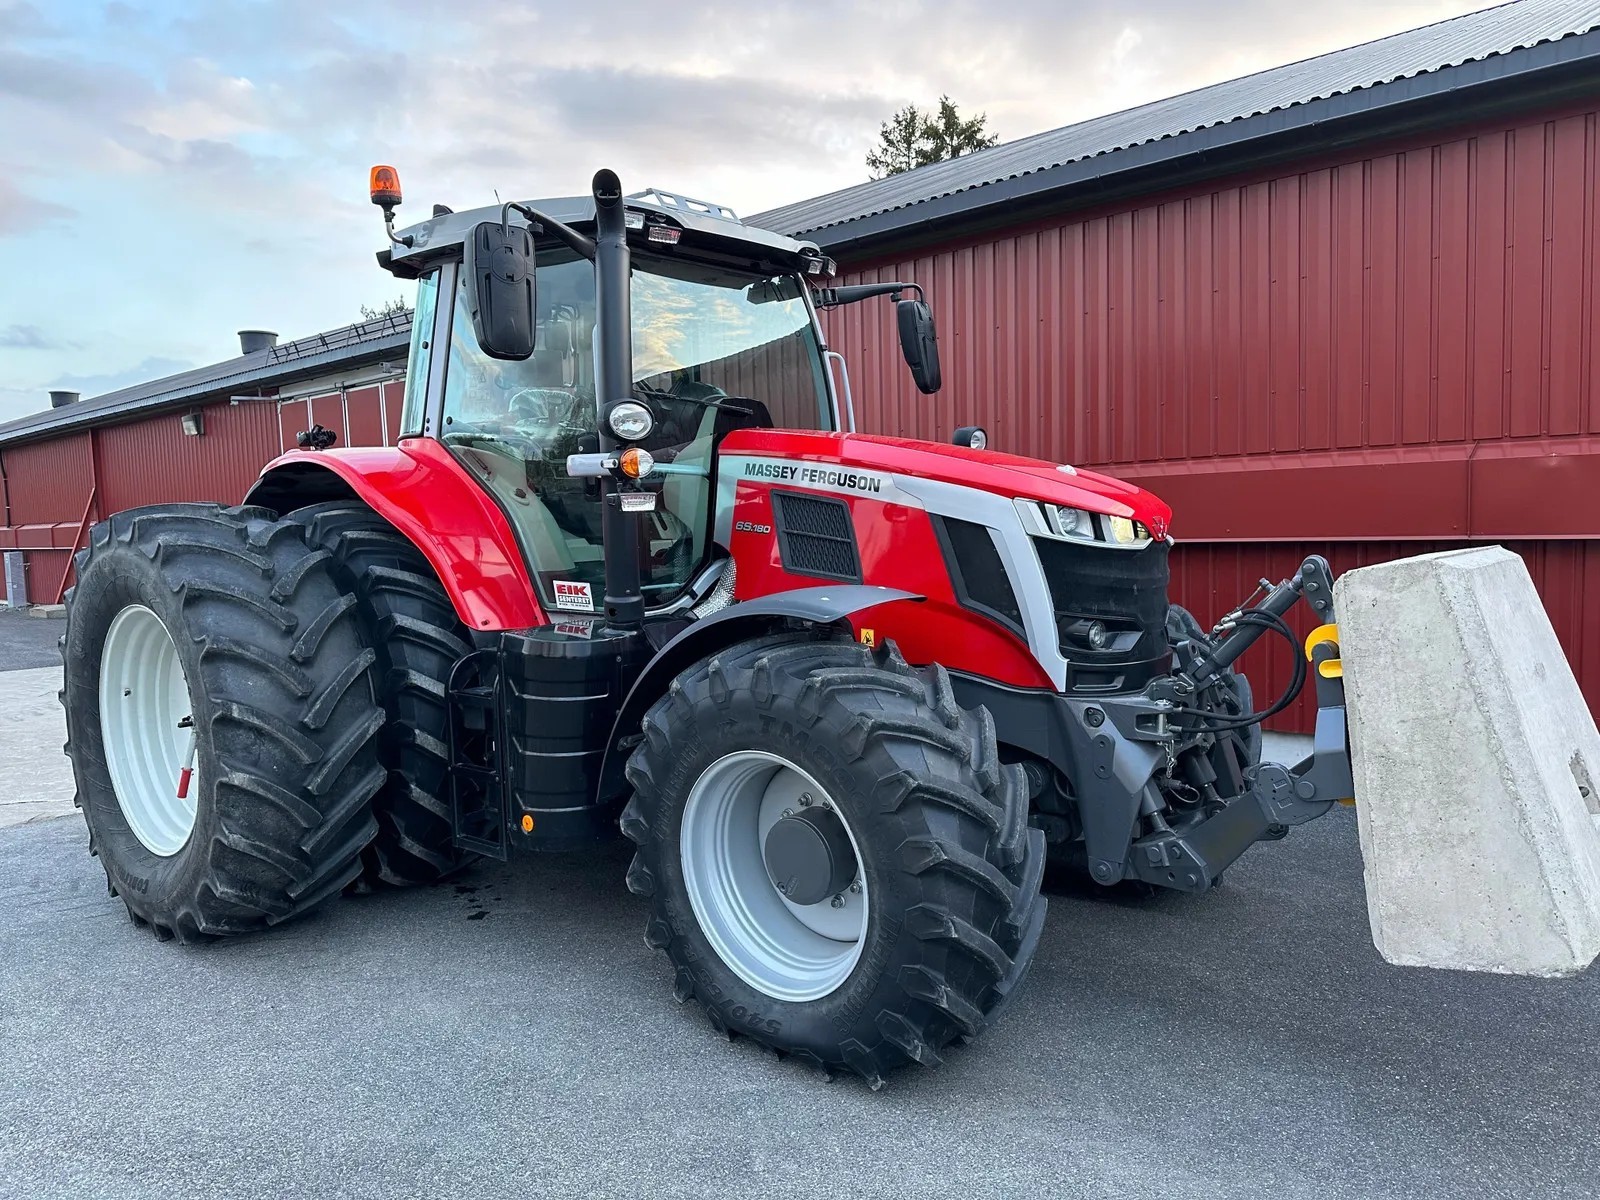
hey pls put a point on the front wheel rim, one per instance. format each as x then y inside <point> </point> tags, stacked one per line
<point>146,730</point>
<point>784,950</point>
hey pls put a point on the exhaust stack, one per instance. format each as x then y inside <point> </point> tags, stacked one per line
<point>624,602</point>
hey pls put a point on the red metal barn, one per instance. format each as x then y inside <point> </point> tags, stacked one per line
<point>1311,312</point>
<point>202,435</point>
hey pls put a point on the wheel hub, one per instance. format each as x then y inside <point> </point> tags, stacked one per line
<point>787,949</point>
<point>809,857</point>
<point>147,730</point>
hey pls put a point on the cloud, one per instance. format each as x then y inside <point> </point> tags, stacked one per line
<point>31,337</point>
<point>20,400</point>
<point>22,213</point>
<point>211,156</point>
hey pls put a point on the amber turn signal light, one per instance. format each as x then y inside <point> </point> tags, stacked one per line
<point>384,186</point>
<point>636,462</point>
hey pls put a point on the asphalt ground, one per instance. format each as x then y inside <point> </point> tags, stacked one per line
<point>27,641</point>
<point>512,1035</point>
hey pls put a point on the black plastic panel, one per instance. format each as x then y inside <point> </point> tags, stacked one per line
<point>976,572</point>
<point>561,687</point>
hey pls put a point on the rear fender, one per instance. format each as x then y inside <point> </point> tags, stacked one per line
<point>420,489</point>
<point>817,609</point>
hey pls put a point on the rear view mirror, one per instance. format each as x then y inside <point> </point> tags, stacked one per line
<point>919,344</point>
<point>500,268</point>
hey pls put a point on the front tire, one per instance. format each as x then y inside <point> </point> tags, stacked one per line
<point>219,629</point>
<point>949,871</point>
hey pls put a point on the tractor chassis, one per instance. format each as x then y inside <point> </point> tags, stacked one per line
<point>537,732</point>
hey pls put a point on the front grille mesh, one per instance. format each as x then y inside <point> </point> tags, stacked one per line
<point>815,537</point>
<point>1127,589</point>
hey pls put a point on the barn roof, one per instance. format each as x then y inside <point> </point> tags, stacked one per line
<point>1493,43</point>
<point>350,345</point>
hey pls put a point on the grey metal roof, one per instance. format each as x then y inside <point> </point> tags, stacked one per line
<point>1472,38</point>
<point>365,341</point>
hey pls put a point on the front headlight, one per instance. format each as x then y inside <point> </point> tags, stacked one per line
<point>630,420</point>
<point>1060,521</point>
<point>1124,532</point>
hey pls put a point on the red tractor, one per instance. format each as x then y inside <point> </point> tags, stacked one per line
<point>629,572</point>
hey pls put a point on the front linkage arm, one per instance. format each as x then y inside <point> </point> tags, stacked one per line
<point>1127,743</point>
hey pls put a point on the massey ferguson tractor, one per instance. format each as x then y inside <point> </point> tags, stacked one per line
<point>630,571</point>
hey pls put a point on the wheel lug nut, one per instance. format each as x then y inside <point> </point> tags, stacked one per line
<point>837,902</point>
<point>805,799</point>
<point>855,886</point>
<point>788,812</point>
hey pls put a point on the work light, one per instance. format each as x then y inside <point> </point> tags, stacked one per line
<point>630,420</point>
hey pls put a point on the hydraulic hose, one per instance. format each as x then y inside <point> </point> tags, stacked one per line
<point>1268,620</point>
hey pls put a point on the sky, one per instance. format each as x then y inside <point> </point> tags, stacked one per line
<point>172,171</point>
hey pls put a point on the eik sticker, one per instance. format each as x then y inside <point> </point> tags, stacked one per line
<point>574,596</point>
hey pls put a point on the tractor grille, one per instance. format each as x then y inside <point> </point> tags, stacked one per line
<point>815,537</point>
<point>1126,591</point>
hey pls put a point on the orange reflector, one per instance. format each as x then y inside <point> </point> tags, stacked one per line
<point>384,186</point>
<point>527,823</point>
<point>636,462</point>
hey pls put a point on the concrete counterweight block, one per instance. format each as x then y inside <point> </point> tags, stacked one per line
<point>1476,763</point>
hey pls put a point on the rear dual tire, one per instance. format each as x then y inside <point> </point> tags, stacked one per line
<point>950,872</point>
<point>411,625</point>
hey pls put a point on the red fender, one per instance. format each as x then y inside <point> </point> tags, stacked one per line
<point>420,489</point>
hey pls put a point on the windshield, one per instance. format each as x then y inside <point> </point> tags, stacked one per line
<point>713,351</point>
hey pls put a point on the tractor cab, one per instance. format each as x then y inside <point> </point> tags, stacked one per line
<point>723,336</point>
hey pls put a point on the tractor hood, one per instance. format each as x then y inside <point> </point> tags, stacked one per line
<point>986,470</point>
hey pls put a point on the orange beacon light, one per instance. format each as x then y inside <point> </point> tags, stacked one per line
<point>384,186</point>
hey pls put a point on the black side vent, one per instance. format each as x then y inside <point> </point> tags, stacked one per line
<point>976,572</point>
<point>815,537</point>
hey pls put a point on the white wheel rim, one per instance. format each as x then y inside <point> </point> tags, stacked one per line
<point>785,950</point>
<point>144,698</point>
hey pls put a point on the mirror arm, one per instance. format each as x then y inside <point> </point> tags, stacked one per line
<point>855,293</point>
<point>574,241</point>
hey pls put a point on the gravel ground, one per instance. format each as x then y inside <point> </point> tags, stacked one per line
<point>511,1035</point>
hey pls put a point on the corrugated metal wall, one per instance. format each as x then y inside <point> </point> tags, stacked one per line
<point>152,461</point>
<point>1379,352</point>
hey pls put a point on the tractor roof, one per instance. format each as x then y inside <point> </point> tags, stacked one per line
<point>708,230</point>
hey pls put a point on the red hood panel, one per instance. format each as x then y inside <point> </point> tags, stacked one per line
<point>987,470</point>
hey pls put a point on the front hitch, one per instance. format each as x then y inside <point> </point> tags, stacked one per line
<point>1275,796</point>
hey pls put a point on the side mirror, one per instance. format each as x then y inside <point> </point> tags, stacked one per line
<point>919,344</point>
<point>500,265</point>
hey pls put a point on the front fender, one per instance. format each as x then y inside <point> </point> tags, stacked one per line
<point>420,489</point>
<point>813,608</point>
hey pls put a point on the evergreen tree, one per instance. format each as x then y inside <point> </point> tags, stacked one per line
<point>912,138</point>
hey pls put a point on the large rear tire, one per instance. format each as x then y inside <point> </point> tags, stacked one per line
<point>408,620</point>
<point>944,879</point>
<point>218,638</point>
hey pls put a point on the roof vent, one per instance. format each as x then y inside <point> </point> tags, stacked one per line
<point>62,399</point>
<point>251,340</point>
